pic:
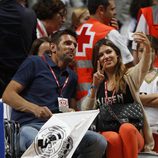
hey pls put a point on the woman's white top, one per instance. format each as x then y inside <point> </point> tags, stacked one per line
<point>152,113</point>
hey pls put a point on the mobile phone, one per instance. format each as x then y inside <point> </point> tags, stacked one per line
<point>130,36</point>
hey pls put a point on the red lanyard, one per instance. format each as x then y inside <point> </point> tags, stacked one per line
<point>106,94</point>
<point>56,80</point>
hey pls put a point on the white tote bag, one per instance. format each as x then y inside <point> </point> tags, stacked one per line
<point>60,135</point>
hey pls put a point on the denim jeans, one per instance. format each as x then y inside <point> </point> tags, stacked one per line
<point>93,145</point>
<point>27,134</point>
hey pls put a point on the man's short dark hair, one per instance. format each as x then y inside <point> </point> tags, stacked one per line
<point>55,37</point>
<point>46,9</point>
<point>94,4</point>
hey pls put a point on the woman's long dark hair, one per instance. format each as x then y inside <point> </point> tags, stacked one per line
<point>120,68</point>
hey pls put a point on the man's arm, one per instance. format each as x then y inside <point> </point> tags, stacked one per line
<point>12,97</point>
<point>149,100</point>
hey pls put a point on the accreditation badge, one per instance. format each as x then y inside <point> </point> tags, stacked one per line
<point>63,104</point>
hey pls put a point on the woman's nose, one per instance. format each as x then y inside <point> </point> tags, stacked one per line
<point>105,55</point>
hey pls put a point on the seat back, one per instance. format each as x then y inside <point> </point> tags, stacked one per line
<point>11,130</point>
<point>11,138</point>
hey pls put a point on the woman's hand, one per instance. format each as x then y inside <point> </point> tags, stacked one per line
<point>98,77</point>
<point>140,37</point>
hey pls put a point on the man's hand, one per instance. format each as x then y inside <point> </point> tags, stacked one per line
<point>42,112</point>
<point>114,23</point>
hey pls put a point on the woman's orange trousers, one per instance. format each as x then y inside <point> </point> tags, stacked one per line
<point>127,143</point>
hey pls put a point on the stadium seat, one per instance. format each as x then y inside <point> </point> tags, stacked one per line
<point>11,130</point>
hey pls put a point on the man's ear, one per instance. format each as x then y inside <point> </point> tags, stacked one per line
<point>101,10</point>
<point>53,47</point>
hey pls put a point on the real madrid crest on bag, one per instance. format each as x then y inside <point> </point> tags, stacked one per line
<point>60,135</point>
<point>53,142</point>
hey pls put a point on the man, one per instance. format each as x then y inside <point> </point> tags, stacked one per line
<point>38,87</point>
<point>51,16</point>
<point>17,32</point>
<point>102,15</point>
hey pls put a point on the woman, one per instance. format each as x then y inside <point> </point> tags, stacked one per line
<point>113,83</point>
<point>149,89</point>
<point>40,46</point>
<point>79,16</point>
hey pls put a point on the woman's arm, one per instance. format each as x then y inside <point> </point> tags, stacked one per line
<point>139,71</point>
<point>88,102</point>
<point>149,100</point>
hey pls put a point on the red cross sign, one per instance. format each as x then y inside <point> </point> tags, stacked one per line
<point>85,39</point>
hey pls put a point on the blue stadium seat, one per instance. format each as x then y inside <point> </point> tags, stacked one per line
<point>2,148</point>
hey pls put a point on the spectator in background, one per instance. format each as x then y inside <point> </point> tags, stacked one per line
<point>148,23</point>
<point>70,5</point>
<point>149,90</point>
<point>51,16</point>
<point>122,10</point>
<point>79,16</point>
<point>17,32</point>
<point>149,87</point>
<point>129,26</point>
<point>40,46</point>
<point>100,25</point>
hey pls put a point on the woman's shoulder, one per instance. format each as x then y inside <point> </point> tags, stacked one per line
<point>128,71</point>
